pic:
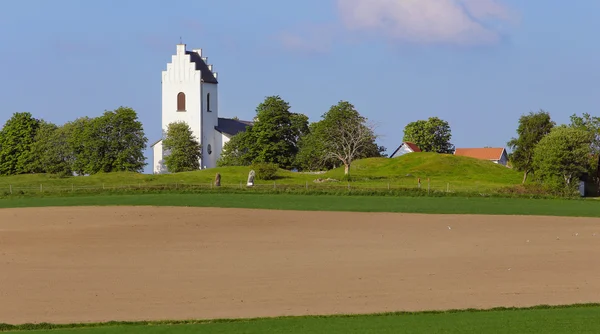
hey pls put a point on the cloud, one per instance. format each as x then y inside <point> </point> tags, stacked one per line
<point>462,22</point>
<point>308,38</point>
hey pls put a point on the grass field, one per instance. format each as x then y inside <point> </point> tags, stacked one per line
<point>459,173</point>
<point>556,320</point>
<point>445,172</point>
<point>433,205</point>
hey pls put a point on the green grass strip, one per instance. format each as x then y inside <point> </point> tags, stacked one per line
<point>430,205</point>
<point>579,318</point>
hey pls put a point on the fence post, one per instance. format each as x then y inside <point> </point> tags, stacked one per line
<point>306,185</point>
<point>41,189</point>
<point>348,185</point>
<point>427,186</point>
<point>274,185</point>
<point>10,186</point>
<point>448,187</point>
<point>388,186</point>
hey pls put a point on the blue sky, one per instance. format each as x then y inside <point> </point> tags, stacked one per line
<point>479,64</point>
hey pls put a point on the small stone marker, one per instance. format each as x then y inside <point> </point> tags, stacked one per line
<point>251,178</point>
<point>218,180</point>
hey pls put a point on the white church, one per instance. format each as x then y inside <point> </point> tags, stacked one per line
<point>190,94</point>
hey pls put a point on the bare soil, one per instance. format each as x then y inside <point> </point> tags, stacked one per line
<point>88,264</point>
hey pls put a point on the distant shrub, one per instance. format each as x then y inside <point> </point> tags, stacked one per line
<point>265,171</point>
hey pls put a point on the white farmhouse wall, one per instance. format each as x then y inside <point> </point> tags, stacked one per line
<point>211,141</point>
<point>404,149</point>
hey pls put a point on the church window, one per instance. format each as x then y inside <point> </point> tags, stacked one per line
<point>208,102</point>
<point>209,149</point>
<point>181,101</point>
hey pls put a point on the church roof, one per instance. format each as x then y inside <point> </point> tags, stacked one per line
<point>232,127</point>
<point>207,75</point>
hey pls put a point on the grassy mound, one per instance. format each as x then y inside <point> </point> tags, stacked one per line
<point>445,172</point>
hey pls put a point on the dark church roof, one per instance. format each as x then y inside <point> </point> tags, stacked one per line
<point>232,127</point>
<point>207,75</point>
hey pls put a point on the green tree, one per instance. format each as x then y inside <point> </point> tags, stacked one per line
<point>236,152</point>
<point>78,143</point>
<point>114,142</point>
<point>275,133</point>
<point>273,138</point>
<point>532,128</point>
<point>562,156</point>
<point>51,149</point>
<point>16,140</point>
<point>182,149</point>
<point>591,124</point>
<point>344,135</point>
<point>311,150</point>
<point>431,135</point>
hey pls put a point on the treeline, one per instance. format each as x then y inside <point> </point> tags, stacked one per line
<point>286,139</point>
<point>557,156</point>
<point>112,142</point>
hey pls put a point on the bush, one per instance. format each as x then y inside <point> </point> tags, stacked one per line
<point>265,171</point>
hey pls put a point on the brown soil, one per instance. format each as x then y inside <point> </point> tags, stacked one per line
<point>122,263</point>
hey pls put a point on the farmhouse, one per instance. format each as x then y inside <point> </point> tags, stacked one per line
<point>496,155</point>
<point>190,94</point>
<point>405,147</point>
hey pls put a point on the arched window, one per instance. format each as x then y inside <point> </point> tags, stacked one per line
<point>208,102</point>
<point>209,149</point>
<point>181,101</point>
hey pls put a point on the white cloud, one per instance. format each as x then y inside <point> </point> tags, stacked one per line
<point>426,21</point>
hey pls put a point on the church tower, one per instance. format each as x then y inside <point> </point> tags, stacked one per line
<point>190,94</point>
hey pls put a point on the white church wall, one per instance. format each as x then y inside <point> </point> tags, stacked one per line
<point>211,143</point>
<point>158,163</point>
<point>181,76</point>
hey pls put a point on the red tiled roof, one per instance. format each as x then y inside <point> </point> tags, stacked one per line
<point>412,146</point>
<point>481,153</point>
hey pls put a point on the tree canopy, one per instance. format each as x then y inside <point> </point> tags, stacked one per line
<point>114,141</point>
<point>272,139</point>
<point>562,156</point>
<point>431,135</point>
<point>16,141</point>
<point>182,149</point>
<point>532,128</point>
<point>342,135</point>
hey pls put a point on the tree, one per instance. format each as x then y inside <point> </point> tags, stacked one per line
<point>275,133</point>
<point>236,152</point>
<point>182,150</point>
<point>431,135</point>
<point>344,134</point>
<point>272,139</point>
<point>591,124</point>
<point>78,143</point>
<point>532,128</point>
<point>51,149</point>
<point>562,156</point>
<point>16,140</point>
<point>311,150</point>
<point>114,142</point>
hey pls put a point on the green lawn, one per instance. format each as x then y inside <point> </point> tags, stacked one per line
<point>575,319</point>
<point>445,172</point>
<point>446,205</point>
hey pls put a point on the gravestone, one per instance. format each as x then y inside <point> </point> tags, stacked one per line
<point>251,178</point>
<point>218,180</point>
